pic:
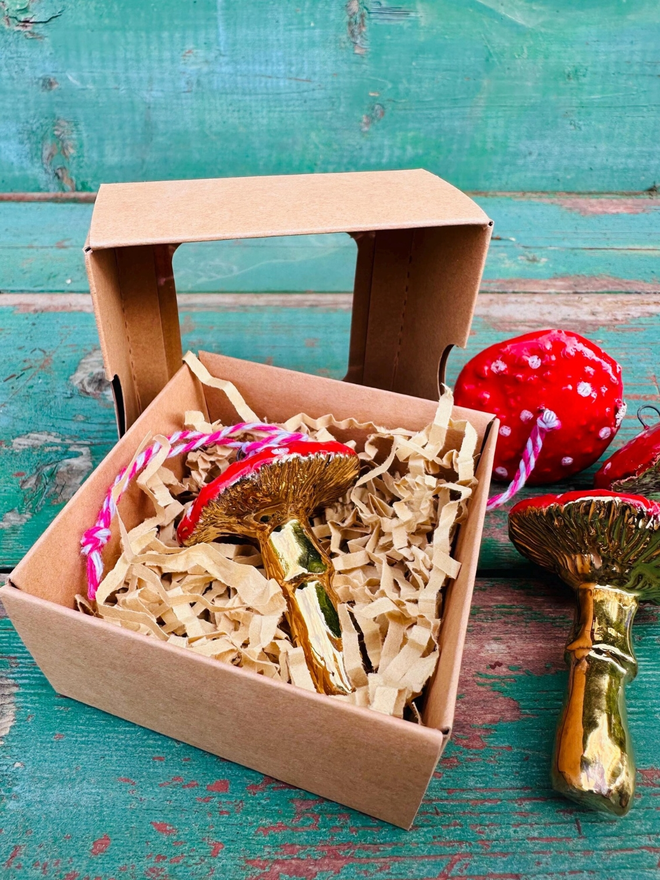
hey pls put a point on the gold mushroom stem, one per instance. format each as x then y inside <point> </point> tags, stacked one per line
<point>593,762</point>
<point>293,557</point>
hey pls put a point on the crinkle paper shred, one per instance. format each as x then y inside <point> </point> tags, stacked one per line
<point>390,539</point>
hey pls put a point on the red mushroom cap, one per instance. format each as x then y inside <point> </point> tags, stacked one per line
<point>632,461</point>
<point>248,467</point>
<point>549,369</point>
<point>544,501</point>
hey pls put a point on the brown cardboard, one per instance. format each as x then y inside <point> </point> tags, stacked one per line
<point>418,268</point>
<point>421,250</point>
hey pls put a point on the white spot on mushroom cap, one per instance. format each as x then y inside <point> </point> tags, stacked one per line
<point>534,361</point>
<point>505,430</point>
<point>501,472</point>
<point>567,461</point>
<point>622,408</point>
<point>526,415</point>
<point>498,366</point>
<point>604,433</point>
<point>584,389</point>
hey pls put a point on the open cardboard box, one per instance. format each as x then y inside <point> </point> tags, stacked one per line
<point>421,250</point>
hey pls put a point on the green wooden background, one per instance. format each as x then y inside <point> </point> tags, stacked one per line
<point>549,114</point>
<point>495,95</point>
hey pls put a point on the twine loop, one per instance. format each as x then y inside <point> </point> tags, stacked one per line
<point>547,421</point>
<point>181,442</point>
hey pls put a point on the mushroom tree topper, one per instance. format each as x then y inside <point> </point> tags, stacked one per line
<point>636,466</point>
<point>530,376</point>
<point>605,546</point>
<point>269,497</point>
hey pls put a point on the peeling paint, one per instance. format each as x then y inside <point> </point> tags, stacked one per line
<point>375,114</point>
<point>19,16</point>
<point>15,853</point>
<point>64,463</point>
<point>89,377</point>
<point>35,303</point>
<point>48,83</point>
<point>14,519</point>
<point>34,440</point>
<point>7,706</point>
<point>589,207</point>
<point>356,25</point>
<point>57,482</point>
<point>60,197</point>
<point>570,284</point>
<point>57,149</point>
<point>522,313</point>
<point>100,845</point>
<point>164,828</point>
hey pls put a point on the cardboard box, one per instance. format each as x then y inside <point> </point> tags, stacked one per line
<point>421,250</point>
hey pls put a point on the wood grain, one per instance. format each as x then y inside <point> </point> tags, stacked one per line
<point>541,243</point>
<point>85,794</point>
<point>492,95</point>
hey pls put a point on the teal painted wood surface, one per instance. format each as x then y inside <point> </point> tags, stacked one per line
<point>88,795</point>
<point>492,94</point>
<point>541,243</point>
<point>499,97</point>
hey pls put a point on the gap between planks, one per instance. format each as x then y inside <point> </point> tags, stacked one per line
<point>516,313</point>
<point>88,197</point>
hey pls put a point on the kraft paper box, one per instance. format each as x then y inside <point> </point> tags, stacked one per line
<point>421,250</point>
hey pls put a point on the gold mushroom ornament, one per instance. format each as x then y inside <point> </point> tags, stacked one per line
<point>269,497</point>
<point>606,546</point>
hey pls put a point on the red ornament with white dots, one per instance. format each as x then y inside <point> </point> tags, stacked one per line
<point>549,369</point>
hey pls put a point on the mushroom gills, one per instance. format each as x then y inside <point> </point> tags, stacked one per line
<point>606,546</point>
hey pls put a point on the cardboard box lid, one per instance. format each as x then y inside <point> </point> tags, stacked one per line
<point>421,246</point>
<point>177,211</point>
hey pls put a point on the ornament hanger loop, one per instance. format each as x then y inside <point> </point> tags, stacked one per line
<point>641,410</point>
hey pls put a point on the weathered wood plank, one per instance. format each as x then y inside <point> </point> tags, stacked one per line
<point>57,417</point>
<point>84,794</point>
<point>541,244</point>
<point>494,95</point>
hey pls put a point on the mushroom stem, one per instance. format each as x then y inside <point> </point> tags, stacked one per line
<point>292,556</point>
<point>593,762</point>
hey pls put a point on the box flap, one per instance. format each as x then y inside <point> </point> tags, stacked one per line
<point>176,211</point>
<point>421,250</point>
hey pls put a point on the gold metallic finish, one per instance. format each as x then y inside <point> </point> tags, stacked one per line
<point>609,552</point>
<point>295,552</point>
<point>593,759</point>
<point>271,506</point>
<point>292,556</point>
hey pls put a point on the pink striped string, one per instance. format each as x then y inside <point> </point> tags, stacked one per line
<point>547,421</point>
<point>181,442</point>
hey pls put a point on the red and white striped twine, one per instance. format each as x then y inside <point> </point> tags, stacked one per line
<point>181,442</point>
<point>547,421</point>
<point>95,539</point>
